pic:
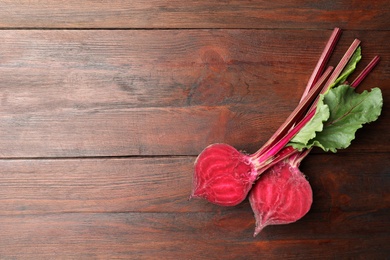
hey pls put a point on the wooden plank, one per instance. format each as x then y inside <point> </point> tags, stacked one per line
<point>136,92</point>
<point>99,127</point>
<point>117,69</point>
<point>151,131</point>
<point>355,15</point>
<point>190,236</point>
<point>341,183</point>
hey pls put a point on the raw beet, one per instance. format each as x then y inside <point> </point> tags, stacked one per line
<point>224,175</point>
<point>282,195</point>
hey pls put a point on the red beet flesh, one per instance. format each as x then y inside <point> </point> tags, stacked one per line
<point>282,195</point>
<point>224,175</point>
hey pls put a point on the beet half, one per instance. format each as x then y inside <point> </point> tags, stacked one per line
<point>281,195</point>
<point>224,175</point>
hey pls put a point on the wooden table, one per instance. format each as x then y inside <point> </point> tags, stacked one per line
<point>106,104</point>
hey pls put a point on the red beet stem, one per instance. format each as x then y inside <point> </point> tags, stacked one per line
<point>299,111</point>
<point>354,84</point>
<point>279,140</point>
<point>324,58</point>
<point>283,154</point>
<point>265,158</point>
<point>279,145</point>
<point>299,156</point>
<point>365,72</point>
<point>337,71</point>
<point>343,62</point>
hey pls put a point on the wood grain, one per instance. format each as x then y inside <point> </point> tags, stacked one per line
<point>104,106</point>
<point>79,93</point>
<point>190,235</point>
<point>159,68</point>
<point>297,14</point>
<point>341,182</point>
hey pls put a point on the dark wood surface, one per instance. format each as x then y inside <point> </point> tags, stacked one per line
<point>106,104</point>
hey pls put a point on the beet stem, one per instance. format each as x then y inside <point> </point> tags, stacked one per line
<point>299,111</point>
<point>312,84</point>
<point>279,145</point>
<point>365,72</point>
<point>279,139</point>
<point>281,155</point>
<point>343,62</point>
<point>324,58</point>
<point>337,71</point>
<point>266,158</point>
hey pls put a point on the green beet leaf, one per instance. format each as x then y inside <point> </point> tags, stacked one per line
<point>348,112</point>
<point>308,132</point>
<point>349,68</point>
